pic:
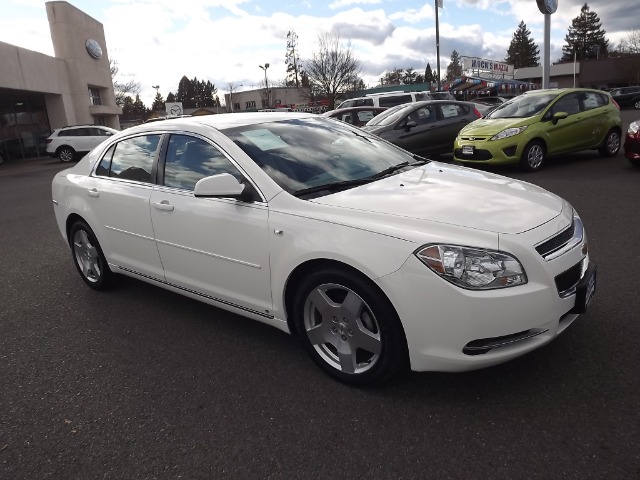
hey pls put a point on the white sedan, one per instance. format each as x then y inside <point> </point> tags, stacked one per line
<point>376,259</point>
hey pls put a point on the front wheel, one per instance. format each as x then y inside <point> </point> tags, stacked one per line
<point>533,156</point>
<point>66,154</point>
<point>349,327</point>
<point>88,257</point>
<point>611,144</point>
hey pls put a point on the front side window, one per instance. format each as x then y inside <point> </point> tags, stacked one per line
<point>569,104</point>
<point>189,159</point>
<point>130,159</point>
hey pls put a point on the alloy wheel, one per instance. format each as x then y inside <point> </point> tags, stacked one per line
<point>87,256</point>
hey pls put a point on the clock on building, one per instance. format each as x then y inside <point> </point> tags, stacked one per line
<point>547,6</point>
<point>93,48</point>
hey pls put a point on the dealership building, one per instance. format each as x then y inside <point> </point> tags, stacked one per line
<point>39,93</point>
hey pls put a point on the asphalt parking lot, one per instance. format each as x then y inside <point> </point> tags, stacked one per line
<point>138,382</point>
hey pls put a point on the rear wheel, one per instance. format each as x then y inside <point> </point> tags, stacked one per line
<point>88,257</point>
<point>533,156</point>
<point>611,144</point>
<point>349,327</point>
<point>637,104</point>
<point>66,154</point>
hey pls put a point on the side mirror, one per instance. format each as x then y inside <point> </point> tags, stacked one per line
<point>409,125</point>
<point>559,116</point>
<point>223,185</point>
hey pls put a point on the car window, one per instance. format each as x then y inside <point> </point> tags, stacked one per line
<point>362,102</point>
<point>389,116</point>
<point>450,110</point>
<point>316,153</point>
<point>394,100</point>
<point>364,116</point>
<point>422,115</point>
<point>569,104</point>
<point>130,159</point>
<point>189,159</point>
<point>72,132</point>
<point>423,96</point>
<point>591,100</point>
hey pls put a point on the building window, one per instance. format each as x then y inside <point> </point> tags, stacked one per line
<point>94,96</point>
<point>236,106</point>
<point>250,105</point>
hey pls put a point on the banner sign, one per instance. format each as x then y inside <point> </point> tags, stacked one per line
<point>473,63</point>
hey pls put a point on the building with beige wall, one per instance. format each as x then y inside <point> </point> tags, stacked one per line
<point>39,93</point>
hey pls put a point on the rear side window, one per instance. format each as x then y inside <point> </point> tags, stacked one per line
<point>591,100</point>
<point>451,110</point>
<point>395,100</point>
<point>423,96</point>
<point>130,159</point>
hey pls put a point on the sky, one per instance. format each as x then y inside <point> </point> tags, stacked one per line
<point>156,42</point>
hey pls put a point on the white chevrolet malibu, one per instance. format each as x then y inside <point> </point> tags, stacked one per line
<point>376,259</point>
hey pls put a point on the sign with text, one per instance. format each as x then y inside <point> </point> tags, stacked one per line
<point>473,63</point>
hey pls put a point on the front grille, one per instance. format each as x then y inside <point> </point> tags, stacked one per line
<point>566,282</point>
<point>478,154</point>
<point>556,243</point>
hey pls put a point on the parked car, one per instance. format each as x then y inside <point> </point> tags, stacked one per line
<point>627,97</point>
<point>493,100</point>
<point>69,143</point>
<point>375,259</point>
<point>632,143</point>
<point>357,116</point>
<point>424,128</point>
<point>385,99</point>
<point>539,124</point>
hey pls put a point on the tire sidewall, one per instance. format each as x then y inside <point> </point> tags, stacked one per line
<point>106,276</point>
<point>524,160</point>
<point>66,149</point>
<point>393,356</point>
<point>604,151</point>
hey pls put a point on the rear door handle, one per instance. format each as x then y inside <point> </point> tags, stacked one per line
<point>164,205</point>
<point>93,192</point>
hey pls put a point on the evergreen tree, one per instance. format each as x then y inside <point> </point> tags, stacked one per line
<point>409,76</point>
<point>292,60</point>
<point>523,52</point>
<point>185,92</point>
<point>171,98</point>
<point>158,102</point>
<point>429,75</point>
<point>585,37</point>
<point>454,69</point>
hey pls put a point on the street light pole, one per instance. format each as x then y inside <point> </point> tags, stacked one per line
<point>266,83</point>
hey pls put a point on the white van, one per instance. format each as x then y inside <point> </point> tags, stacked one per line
<point>391,99</point>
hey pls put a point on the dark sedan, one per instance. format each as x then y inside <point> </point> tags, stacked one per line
<point>358,116</point>
<point>424,128</point>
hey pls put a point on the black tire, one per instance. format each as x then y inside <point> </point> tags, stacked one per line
<point>66,154</point>
<point>636,104</point>
<point>358,339</point>
<point>533,156</point>
<point>611,144</point>
<point>88,257</point>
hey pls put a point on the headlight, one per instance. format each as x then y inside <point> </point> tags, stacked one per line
<point>473,268</point>
<point>634,127</point>
<point>509,132</point>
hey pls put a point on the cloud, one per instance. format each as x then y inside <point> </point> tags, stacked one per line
<point>347,3</point>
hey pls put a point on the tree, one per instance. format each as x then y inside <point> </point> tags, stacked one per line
<point>454,69</point>
<point>158,102</point>
<point>585,38</point>
<point>409,76</point>
<point>393,77</point>
<point>429,75</point>
<point>171,98</point>
<point>630,44</point>
<point>523,52</point>
<point>195,93</point>
<point>331,67</point>
<point>292,60</point>
<point>122,89</point>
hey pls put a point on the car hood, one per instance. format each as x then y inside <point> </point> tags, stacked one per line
<point>453,195</point>
<point>491,126</point>
<point>376,128</point>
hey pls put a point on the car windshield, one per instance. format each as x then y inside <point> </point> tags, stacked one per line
<point>317,155</point>
<point>390,116</point>
<point>523,106</point>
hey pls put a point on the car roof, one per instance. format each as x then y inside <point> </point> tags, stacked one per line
<point>223,120</point>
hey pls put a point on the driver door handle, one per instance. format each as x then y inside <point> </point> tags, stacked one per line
<point>164,205</point>
<point>93,192</point>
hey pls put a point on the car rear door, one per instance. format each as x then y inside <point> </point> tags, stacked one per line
<point>451,118</point>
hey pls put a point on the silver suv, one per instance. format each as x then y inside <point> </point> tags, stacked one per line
<point>70,142</point>
<point>391,99</point>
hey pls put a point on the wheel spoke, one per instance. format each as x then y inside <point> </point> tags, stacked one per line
<point>347,356</point>
<point>366,340</point>
<point>322,303</point>
<point>319,334</point>
<point>352,306</point>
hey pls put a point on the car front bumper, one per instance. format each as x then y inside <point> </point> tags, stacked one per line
<point>485,151</point>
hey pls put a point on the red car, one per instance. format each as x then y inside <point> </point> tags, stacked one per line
<point>632,143</point>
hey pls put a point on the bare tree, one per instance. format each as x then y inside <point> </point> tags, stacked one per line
<point>630,44</point>
<point>122,90</point>
<point>332,68</point>
<point>231,87</point>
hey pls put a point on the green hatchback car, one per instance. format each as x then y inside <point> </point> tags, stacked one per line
<point>539,124</point>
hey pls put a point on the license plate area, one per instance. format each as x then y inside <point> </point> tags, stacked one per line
<point>467,150</point>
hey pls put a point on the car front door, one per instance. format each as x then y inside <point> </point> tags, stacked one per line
<point>416,132</point>
<point>217,247</point>
<point>119,193</point>
<point>568,134</point>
